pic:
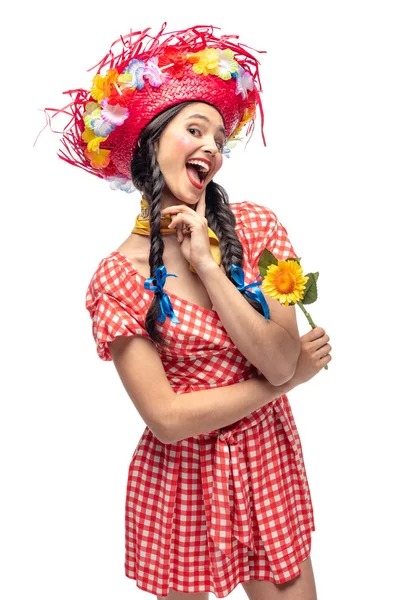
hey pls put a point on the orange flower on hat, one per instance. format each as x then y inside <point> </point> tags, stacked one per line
<point>206,61</point>
<point>103,85</point>
<point>248,115</point>
<point>99,159</point>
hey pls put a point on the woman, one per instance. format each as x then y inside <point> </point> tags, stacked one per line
<point>217,489</point>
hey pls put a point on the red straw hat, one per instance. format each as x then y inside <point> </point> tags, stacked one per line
<point>140,77</point>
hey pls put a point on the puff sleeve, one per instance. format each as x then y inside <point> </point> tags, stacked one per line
<point>262,229</point>
<point>115,304</point>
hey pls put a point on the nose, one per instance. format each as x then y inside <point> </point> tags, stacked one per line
<point>211,148</point>
<point>210,145</point>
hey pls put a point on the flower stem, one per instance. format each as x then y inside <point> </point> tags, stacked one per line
<point>309,319</point>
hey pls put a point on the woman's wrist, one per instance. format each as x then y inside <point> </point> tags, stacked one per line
<point>205,268</point>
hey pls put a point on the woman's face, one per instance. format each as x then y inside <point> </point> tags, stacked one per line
<point>196,134</point>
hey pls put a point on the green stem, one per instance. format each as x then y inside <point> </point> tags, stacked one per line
<point>309,319</point>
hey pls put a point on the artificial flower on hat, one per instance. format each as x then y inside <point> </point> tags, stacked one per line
<point>283,280</point>
<point>141,76</point>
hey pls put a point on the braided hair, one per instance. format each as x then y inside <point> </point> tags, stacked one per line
<point>148,179</point>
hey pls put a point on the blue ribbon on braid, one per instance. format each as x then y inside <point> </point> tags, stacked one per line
<point>165,302</point>
<point>238,277</point>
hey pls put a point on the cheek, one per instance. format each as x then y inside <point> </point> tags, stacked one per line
<point>174,146</point>
<point>178,149</point>
<point>184,141</point>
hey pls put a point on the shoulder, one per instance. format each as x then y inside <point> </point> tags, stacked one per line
<point>108,275</point>
<point>115,303</point>
<point>114,277</point>
<point>258,228</point>
<point>256,217</point>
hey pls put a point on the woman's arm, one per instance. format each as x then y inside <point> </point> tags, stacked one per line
<point>173,417</point>
<point>199,412</point>
<point>219,407</point>
<point>273,345</point>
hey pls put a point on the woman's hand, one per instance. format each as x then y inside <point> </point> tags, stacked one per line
<point>192,232</point>
<point>314,355</point>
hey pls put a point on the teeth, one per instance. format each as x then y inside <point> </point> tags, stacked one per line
<point>205,168</point>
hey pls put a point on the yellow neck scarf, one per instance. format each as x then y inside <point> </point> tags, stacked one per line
<point>142,227</point>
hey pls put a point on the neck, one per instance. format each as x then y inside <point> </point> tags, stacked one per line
<point>168,199</point>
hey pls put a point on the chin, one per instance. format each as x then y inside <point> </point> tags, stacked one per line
<point>188,199</point>
<point>183,195</point>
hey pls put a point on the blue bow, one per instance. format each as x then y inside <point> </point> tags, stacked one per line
<point>165,303</point>
<point>238,277</point>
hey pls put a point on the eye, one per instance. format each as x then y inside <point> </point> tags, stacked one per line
<point>194,130</point>
<point>190,129</point>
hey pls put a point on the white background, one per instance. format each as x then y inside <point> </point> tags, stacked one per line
<point>330,171</point>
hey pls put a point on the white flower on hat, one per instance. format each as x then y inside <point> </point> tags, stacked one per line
<point>120,182</point>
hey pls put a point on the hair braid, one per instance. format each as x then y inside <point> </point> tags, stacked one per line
<point>147,177</point>
<point>152,193</point>
<point>221,220</point>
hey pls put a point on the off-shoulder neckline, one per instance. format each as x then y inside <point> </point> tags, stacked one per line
<point>127,263</point>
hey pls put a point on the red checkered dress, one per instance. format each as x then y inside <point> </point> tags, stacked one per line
<point>227,506</point>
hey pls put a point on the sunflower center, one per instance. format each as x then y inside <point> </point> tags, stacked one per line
<point>285,282</point>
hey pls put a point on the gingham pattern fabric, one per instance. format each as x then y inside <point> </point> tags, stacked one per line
<point>227,506</point>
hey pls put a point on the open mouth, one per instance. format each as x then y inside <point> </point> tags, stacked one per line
<point>197,173</point>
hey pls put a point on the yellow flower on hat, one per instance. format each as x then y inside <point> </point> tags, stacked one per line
<point>92,112</point>
<point>103,85</point>
<point>93,141</point>
<point>125,80</point>
<point>206,61</point>
<point>285,282</point>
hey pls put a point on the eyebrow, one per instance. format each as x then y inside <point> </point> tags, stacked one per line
<point>200,116</point>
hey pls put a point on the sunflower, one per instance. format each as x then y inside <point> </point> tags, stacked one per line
<point>285,282</point>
